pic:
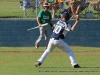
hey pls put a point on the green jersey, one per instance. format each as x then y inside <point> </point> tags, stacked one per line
<point>45,16</point>
<point>50,1</point>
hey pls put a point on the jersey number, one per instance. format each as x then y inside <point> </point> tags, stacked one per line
<point>57,29</point>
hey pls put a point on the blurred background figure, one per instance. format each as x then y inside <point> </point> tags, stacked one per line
<point>58,4</point>
<point>75,6</point>
<point>96,5</point>
<point>25,4</point>
<point>54,6</point>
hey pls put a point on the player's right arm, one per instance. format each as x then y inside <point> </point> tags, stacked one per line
<point>38,18</point>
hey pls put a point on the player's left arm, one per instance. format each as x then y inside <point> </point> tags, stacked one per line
<point>75,24</point>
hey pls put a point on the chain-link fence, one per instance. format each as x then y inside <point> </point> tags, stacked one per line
<point>30,8</point>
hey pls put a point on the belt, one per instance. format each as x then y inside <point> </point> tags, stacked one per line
<point>55,38</point>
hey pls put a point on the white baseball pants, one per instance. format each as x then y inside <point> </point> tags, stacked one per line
<point>60,44</point>
<point>44,32</point>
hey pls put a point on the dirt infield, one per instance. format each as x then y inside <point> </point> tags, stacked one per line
<point>51,52</point>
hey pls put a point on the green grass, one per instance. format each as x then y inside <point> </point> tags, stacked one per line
<point>10,10</point>
<point>55,64</point>
<point>41,49</point>
<point>9,0</point>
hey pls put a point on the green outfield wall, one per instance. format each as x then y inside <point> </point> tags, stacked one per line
<point>13,32</point>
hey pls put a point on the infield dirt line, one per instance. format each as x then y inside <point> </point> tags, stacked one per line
<point>51,52</point>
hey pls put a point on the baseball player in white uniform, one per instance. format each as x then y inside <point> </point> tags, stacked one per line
<point>61,28</point>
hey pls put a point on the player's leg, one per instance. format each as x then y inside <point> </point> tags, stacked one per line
<point>65,47</point>
<point>73,9</point>
<point>54,10</point>
<point>61,6</point>
<point>40,37</point>
<point>47,36</point>
<point>50,47</point>
<point>78,9</point>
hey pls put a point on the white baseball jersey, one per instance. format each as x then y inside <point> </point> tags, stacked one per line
<point>61,30</point>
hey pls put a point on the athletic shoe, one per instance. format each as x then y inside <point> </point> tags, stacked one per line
<point>76,66</point>
<point>36,45</point>
<point>37,64</point>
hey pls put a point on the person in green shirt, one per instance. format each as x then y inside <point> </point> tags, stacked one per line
<point>44,16</point>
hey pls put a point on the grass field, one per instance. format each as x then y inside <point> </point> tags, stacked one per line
<point>20,61</point>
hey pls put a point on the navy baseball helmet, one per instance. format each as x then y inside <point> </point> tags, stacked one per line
<point>66,15</point>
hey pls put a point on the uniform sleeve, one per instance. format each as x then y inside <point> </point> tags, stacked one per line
<point>57,23</point>
<point>68,28</point>
<point>39,14</point>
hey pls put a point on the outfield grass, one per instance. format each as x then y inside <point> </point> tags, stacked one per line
<point>41,49</point>
<point>10,10</point>
<point>55,64</point>
<point>10,0</point>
